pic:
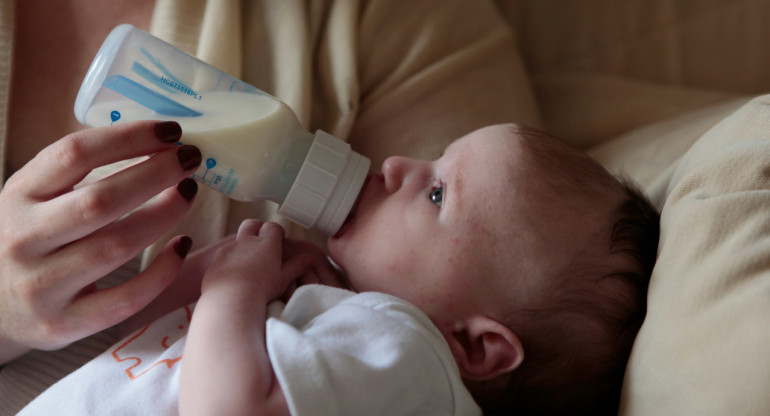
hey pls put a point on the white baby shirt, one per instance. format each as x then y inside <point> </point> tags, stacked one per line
<point>333,351</point>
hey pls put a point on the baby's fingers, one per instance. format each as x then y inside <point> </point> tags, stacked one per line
<point>297,266</point>
<point>269,235</point>
<point>272,231</point>
<point>248,228</point>
<point>295,271</point>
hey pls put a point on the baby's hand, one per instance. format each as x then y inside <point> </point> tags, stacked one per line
<point>321,271</point>
<point>255,265</point>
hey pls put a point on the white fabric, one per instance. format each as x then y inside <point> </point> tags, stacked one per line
<point>340,353</point>
<point>334,352</point>
<point>139,375</point>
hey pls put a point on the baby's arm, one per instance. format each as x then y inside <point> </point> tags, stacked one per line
<point>225,369</point>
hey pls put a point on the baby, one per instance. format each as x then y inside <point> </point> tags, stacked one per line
<point>530,260</point>
<point>510,274</point>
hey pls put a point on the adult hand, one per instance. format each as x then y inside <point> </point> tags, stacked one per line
<point>58,237</point>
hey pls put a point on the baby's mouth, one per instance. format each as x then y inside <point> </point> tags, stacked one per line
<point>353,209</point>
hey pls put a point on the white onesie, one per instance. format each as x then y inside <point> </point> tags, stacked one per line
<point>333,351</point>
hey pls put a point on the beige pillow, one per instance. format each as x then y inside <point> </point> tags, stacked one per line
<point>704,348</point>
<point>650,154</point>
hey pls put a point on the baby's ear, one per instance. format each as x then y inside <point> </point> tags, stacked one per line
<point>484,348</point>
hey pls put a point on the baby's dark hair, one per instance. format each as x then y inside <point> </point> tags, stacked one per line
<point>577,345</point>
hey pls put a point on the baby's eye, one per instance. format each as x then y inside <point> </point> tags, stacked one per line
<point>436,195</point>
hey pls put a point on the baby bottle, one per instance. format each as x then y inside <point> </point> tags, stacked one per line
<point>252,144</point>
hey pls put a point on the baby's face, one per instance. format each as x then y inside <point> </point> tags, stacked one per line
<point>437,233</point>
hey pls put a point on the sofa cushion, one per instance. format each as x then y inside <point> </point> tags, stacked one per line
<point>703,348</point>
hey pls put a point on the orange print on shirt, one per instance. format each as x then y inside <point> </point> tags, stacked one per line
<point>141,366</point>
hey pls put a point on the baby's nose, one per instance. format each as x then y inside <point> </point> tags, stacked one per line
<point>394,170</point>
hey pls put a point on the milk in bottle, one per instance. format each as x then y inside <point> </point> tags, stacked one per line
<point>252,144</point>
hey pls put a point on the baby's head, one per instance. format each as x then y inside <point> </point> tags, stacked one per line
<point>529,257</point>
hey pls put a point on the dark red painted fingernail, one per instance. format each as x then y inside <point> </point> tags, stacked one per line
<point>189,157</point>
<point>168,131</point>
<point>183,247</point>
<point>187,188</point>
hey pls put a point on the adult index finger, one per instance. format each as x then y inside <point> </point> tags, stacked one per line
<point>63,164</point>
